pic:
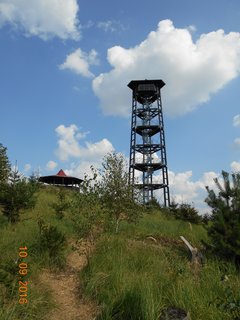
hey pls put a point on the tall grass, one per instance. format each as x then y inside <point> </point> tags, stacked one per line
<point>134,279</point>
<point>27,233</point>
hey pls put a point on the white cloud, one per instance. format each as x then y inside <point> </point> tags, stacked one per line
<point>110,26</point>
<point>106,26</point>
<point>79,62</point>
<point>208,179</point>
<point>42,18</point>
<point>69,146</point>
<point>182,187</point>
<point>79,170</point>
<point>237,142</point>
<point>235,166</point>
<point>236,121</point>
<point>193,71</point>
<point>51,165</point>
<point>87,25</point>
<point>192,28</point>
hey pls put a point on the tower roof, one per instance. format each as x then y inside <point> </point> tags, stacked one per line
<point>134,83</point>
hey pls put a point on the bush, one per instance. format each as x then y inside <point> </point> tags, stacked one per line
<point>62,204</point>
<point>116,194</point>
<point>185,212</point>
<point>224,229</point>
<point>51,242</point>
<point>87,213</point>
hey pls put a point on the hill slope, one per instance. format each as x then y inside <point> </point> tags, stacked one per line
<point>135,274</point>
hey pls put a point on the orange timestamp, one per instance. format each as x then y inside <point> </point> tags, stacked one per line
<point>23,271</point>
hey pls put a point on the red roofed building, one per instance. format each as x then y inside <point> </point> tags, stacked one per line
<point>61,179</point>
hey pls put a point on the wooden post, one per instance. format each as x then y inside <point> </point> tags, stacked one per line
<point>197,257</point>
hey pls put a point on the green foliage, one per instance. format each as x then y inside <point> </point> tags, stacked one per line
<point>229,302</point>
<point>185,212</point>
<point>52,243</point>
<point>40,302</point>
<point>130,305</point>
<point>4,171</point>
<point>117,195</point>
<point>16,195</point>
<point>62,203</point>
<point>105,199</point>
<point>9,276</point>
<point>87,213</point>
<point>4,164</point>
<point>206,218</point>
<point>127,274</point>
<point>34,182</point>
<point>154,205</point>
<point>224,230</point>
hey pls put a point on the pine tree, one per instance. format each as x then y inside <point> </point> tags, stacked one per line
<point>4,164</point>
<point>16,195</point>
<point>224,230</point>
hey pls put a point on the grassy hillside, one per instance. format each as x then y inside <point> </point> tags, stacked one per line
<point>134,274</point>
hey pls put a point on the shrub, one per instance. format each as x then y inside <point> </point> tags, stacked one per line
<point>51,242</point>
<point>154,205</point>
<point>85,207</point>
<point>185,212</point>
<point>229,302</point>
<point>116,194</point>
<point>62,204</point>
<point>224,230</point>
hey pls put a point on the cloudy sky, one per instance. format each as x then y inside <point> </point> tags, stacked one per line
<point>64,70</point>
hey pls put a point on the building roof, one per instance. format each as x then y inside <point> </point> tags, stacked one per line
<point>60,179</point>
<point>61,173</point>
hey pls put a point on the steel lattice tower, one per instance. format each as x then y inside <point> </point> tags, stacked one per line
<point>147,145</point>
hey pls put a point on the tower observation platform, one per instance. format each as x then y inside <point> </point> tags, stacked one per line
<point>147,143</point>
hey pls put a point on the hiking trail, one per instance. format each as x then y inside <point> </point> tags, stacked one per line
<point>64,287</point>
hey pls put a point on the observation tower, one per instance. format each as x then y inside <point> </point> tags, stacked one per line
<point>147,144</point>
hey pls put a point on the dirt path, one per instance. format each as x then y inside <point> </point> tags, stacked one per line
<point>64,288</point>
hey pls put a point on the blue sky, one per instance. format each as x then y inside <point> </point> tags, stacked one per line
<point>64,70</point>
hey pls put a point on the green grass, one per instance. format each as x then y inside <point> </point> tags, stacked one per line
<point>128,275</point>
<point>157,224</point>
<point>26,233</point>
<point>126,271</point>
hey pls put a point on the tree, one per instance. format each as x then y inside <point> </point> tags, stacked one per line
<point>62,203</point>
<point>87,213</point>
<point>17,194</point>
<point>4,164</point>
<point>4,171</point>
<point>186,212</point>
<point>224,230</point>
<point>116,192</point>
<point>34,181</point>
